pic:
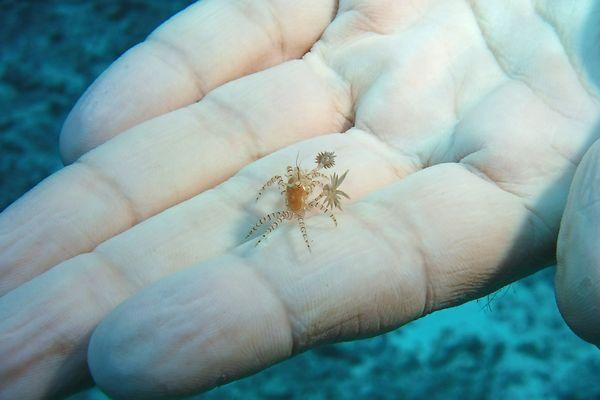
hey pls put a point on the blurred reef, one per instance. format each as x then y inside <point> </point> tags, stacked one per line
<point>50,52</point>
<point>513,345</point>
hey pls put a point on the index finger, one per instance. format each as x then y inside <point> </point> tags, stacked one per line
<point>435,239</point>
<point>204,46</point>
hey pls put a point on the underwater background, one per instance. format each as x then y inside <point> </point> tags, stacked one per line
<point>512,345</point>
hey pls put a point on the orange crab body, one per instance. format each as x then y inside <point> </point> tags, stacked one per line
<point>296,198</point>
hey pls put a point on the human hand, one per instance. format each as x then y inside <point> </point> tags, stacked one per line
<point>461,143</point>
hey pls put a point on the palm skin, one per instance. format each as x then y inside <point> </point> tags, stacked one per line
<point>462,125</point>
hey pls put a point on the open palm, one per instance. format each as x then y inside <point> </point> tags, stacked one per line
<point>462,125</point>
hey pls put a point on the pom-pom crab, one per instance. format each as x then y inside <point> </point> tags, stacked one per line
<point>297,188</point>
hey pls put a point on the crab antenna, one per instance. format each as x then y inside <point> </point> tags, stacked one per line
<point>297,166</point>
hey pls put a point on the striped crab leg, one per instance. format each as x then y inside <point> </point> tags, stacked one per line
<point>263,220</point>
<point>285,215</point>
<point>276,178</point>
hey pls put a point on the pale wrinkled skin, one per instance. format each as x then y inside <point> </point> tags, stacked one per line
<point>464,124</point>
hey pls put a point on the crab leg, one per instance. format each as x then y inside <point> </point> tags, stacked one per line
<point>303,230</point>
<point>276,178</point>
<point>315,183</point>
<point>326,211</point>
<point>274,225</point>
<point>316,200</point>
<point>261,221</point>
<point>317,174</point>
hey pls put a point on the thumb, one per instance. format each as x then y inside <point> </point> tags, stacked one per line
<point>578,257</point>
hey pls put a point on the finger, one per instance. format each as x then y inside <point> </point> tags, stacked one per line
<point>44,325</point>
<point>165,161</point>
<point>435,239</point>
<point>209,43</point>
<point>578,256</point>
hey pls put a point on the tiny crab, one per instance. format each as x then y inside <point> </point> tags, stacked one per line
<point>297,188</point>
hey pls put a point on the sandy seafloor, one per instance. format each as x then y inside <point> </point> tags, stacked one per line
<point>517,347</point>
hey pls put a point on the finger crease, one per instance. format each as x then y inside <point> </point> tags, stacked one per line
<point>340,87</point>
<point>413,230</point>
<point>278,28</point>
<point>249,10</point>
<point>117,274</point>
<point>534,213</point>
<point>180,62</point>
<point>293,324</point>
<point>255,150</point>
<point>389,152</point>
<point>127,203</point>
